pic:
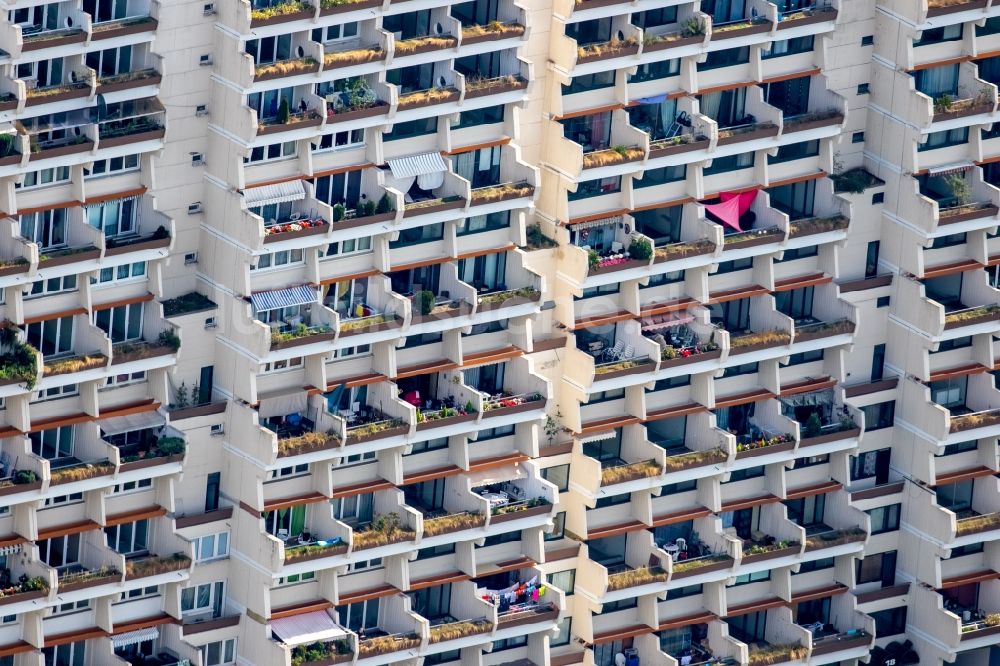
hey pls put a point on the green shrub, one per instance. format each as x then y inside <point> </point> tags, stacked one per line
<point>813,425</point>
<point>170,339</point>
<point>640,248</point>
<point>283,112</point>
<point>384,204</point>
<point>339,212</point>
<point>425,302</point>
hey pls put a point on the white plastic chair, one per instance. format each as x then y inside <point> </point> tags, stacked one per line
<point>628,353</point>
<point>615,353</point>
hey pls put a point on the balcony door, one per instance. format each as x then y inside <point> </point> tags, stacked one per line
<point>285,523</point>
<point>60,552</point>
<point>663,225</point>
<point>950,393</point>
<point>791,96</point>
<point>727,108</point>
<point>956,497</point>
<point>46,227</point>
<point>734,316</point>
<point>797,200</point>
<point>486,273</point>
<point>432,602</point>
<point>723,11</point>
<point>106,10</point>
<point>593,132</point>
<point>486,378</point>
<point>52,337</point>
<point>937,81</point>
<point>480,167</point>
<point>748,628</point>
<point>946,290</point>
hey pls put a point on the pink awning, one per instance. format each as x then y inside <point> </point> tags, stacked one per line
<point>734,205</point>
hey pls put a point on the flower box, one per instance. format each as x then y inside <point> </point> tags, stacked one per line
<point>20,488</point>
<point>540,510</point>
<point>758,346</point>
<point>693,358</point>
<point>354,438</point>
<point>525,406</point>
<point>304,66</point>
<point>414,100</point>
<point>641,366</point>
<point>510,31</point>
<point>22,596</point>
<point>494,88</point>
<point>281,232</point>
<point>123,28</point>
<point>115,86</point>
<point>73,585</point>
<point>148,135</point>
<point>752,28</point>
<point>992,314</point>
<point>625,49</point>
<point>451,420</point>
<point>810,16</point>
<point>374,328</point>
<point>14,269</point>
<point>662,149</point>
<point>70,149</point>
<point>292,556</point>
<point>294,123</point>
<point>622,264</point>
<point>378,109</point>
<point>306,13</point>
<point>428,45</point>
<point>829,437</point>
<point>951,8</point>
<point>45,41</point>
<point>152,461</point>
<point>10,159</point>
<point>80,90</point>
<point>979,633</point>
<point>719,565</point>
<point>772,554</point>
<point>765,450</point>
<point>319,336</point>
<point>515,299</point>
<point>442,205</point>
<point>663,44</point>
<point>363,221</point>
<point>763,130</point>
<point>793,125</point>
<point>146,351</point>
<point>8,104</point>
<point>971,110</point>
<point>350,7</point>
<point>137,246</point>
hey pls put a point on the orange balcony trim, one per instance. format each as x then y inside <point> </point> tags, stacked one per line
<point>476,146</point>
<point>737,293</point>
<point>801,282</point>
<point>672,412</point>
<point>440,365</point>
<point>125,301</point>
<point>602,425</point>
<point>743,398</point>
<point>365,595</point>
<point>300,609</point>
<point>819,593</point>
<point>132,516</point>
<point>962,475</point>
<point>145,623</point>
<point>969,578</point>
<point>345,278</point>
<point>299,500</point>
<point>72,528</point>
<point>491,356</point>
<point>679,622</point>
<point>482,253</point>
<point>55,315</point>
<point>952,267</point>
<point>807,386</point>
<point>360,489</point>
<point>815,489</point>
<point>958,371</point>
<point>750,502</point>
<point>754,606</point>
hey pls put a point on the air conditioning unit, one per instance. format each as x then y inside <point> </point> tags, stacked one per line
<point>211,323</point>
<point>218,430</point>
<point>209,9</point>
<point>194,208</point>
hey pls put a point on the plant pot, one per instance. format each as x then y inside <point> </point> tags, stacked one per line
<point>133,28</point>
<point>339,549</point>
<point>355,222</point>
<point>82,585</point>
<point>962,113</point>
<point>400,539</point>
<point>757,347</point>
<point>285,18</point>
<point>137,246</point>
<point>506,196</point>
<point>301,233</point>
<point>694,462</point>
<point>426,48</point>
<point>82,147</point>
<point>351,7</point>
<point>148,135</point>
<point>305,340</point>
<point>979,633</point>
<point>379,109</point>
<point>105,88</point>
<point>10,159</point>
<point>405,104</point>
<point>8,104</point>
<point>509,303</point>
<point>805,336</point>
<point>62,260</point>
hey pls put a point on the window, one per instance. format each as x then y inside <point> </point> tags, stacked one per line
<point>795,303</point>
<point>52,286</point>
<point>211,546</point>
<point>746,473</point>
<point>725,58</point>
<point>412,128</point>
<point>112,165</point>
<point>954,343</point>
<point>60,552</point>
<point>734,265</point>
<point>128,538</point>
<point>131,486</point>
<point>486,116</point>
<point>349,246</point>
<point>948,33</point>
<point>74,654</point>
<point>341,140</point>
<point>121,323</point>
<point>334,32</point>
<point>120,273</point>
<point>668,174</point>
<point>360,615</point>
<point>274,151</point>
<point>587,82</point>
<point>43,177</point>
<point>558,475</point>
<point>880,567</point>
<point>564,580</point>
<point>596,188</point>
<point>805,357</point>
<point>53,443</point>
<point>203,598</point>
<point>858,137</point>
<point>353,510</point>
<point>558,528</point>
<point>807,511</point>
<point>655,70</point>
<point>884,518</point>
<point>752,577</point>
<point>296,578</point>
<point>881,415</point>
<point>114,218</point>
<point>730,163</point>
<point>685,591</point>
<point>889,622</point>
<point>741,369</point>
<point>961,447</point>
<point>52,337</point>
<point>862,88</point>
<point>45,227</point>
<point>944,138</point>
<point>220,653</point>
<point>679,487</point>
<point>63,499</point>
<point>110,62</point>
<point>816,565</point>
<point>786,47</point>
<point>482,223</point>
<point>277,259</point>
<point>868,40</point>
<point>140,592</point>
<point>563,633</point>
<point>269,49</point>
<point>871,465</point>
<point>795,151</point>
<point>882,302</point>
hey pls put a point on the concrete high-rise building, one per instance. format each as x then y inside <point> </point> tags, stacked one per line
<point>499,332</point>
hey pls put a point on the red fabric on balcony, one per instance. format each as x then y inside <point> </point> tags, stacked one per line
<point>733,206</point>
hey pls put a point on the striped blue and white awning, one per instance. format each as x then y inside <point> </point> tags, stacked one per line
<point>135,637</point>
<point>417,165</point>
<point>291,190</point>
<point>283,298</point>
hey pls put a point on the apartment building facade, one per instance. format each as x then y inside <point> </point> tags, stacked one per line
<point>496,332</point>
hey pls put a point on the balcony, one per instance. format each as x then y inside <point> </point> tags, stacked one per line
<point>77,577</point>
<point>360,99</point>
<point>814,13</point>
<point>153,452</point>
<point>35,95</point>
<point>767,654</point>
<point>131,25</point>
<point>151,566</point>
<point>138,121</point>
<point>818,419</point>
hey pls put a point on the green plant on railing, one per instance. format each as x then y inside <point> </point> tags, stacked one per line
<point>760,549</point>
<point>339,212</point>
<point>593,259</point>
<point>284,9</point>
<point>960,189</point>
<point>384,204</point>
<point>365,209</point>
<point>300,331</point>
<point>813,426</point>
<point>18,359</point>
<point>692,27</point>
<point>501,296</point>
<point>25,584</point>
<point>383,530</point>
<point>283,112</point>
<point>306,654</point>
<point>519,506</point>
<point>7,144</point>
<point>425,302</point>
<point>373,428</point>
<point>24,476</point>
<point>942,103</point>
<point>640,248</point>
<point>169,338</point>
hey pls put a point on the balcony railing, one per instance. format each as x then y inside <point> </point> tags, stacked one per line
<point>976,524</point>
<point>776,654</point>
<point>625,472</point>
<point>832,538</point>
<point>450,631</point>
<point>384,530</point>
<point>982,419</point>
<point>636,577</point>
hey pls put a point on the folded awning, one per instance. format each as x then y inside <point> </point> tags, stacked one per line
<point>135,637</point>
<point>428,169</point>
<point>10,550</point>
<point>603,222</point>
<point>946,169</point>
<point>283,298</point>
<point>599,437</point>
<point>488,477</point>
<point>116,425</point>
<point>291,190</point>
<point>649,325</point>
<point>313,627</point>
